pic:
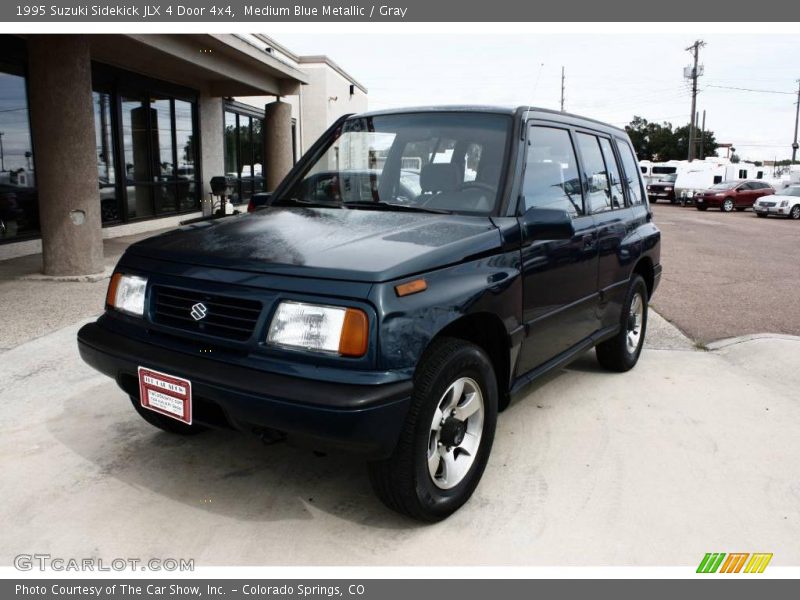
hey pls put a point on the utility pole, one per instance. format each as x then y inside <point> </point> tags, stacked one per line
<point>562,94</point>
<point>695,50</point>
<point>796,118</point>
<point>703,137</point>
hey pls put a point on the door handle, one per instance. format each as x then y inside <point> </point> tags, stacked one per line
<point>588,241</point>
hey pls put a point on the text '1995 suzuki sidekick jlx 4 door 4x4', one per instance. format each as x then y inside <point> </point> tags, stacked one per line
<point>410,276</point>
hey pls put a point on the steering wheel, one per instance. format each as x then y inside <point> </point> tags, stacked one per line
<point>477,185</point>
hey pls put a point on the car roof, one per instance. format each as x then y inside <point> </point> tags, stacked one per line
<point>491,109</point>
<point>788,187</point>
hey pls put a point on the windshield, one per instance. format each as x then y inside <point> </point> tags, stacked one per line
<point>725,185</point>
<point>438,162</point>
<point>792,191</point>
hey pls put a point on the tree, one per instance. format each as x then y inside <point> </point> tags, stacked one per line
<point>662,142</point>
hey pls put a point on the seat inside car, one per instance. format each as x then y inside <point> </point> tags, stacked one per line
<point>441,189</point>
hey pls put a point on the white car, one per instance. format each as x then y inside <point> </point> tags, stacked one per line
<point>785,203</point>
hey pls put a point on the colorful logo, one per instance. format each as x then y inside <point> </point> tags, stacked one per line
<point>719,562</point>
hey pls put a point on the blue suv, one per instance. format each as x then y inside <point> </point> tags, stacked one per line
<point>412,274</point>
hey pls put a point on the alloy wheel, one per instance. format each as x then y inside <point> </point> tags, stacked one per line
<point>455,433</point>
<point>634,323</point>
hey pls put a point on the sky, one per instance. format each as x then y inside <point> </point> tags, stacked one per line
<point>608,77</point>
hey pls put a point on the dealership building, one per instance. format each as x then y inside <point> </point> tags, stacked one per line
<point>109,135</point>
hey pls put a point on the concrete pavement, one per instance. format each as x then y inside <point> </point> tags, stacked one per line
<point>691,452</point>
<point>32,305</point>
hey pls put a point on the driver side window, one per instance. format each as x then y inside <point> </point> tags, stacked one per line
<point>551,173</point>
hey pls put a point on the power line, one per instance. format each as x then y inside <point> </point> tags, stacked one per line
<point>741,89</point>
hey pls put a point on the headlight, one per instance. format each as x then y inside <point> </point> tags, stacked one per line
<point>720,194</point>
<point>126,294</point>
<point>667,189</point>
<point>320,328</point>
<point>784,203</point>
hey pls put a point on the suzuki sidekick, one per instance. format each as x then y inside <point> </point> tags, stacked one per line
<point>407,280</point>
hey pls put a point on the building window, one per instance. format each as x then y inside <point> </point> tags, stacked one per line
<point>146,138</point>
<point>244,150</point>
<point>294,141</point>
<point>106,157</point>
<point>19,208</point>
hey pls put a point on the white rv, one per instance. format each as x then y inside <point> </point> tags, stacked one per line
<point>699,175</point>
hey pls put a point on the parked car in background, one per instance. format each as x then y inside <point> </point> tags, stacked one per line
<point>785,203</point>
<point>663,189</point>
<point>387,312</point>
<point>730,195</point>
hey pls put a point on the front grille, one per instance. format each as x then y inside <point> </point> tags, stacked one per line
<point>225,316</point>
<point>768,204</point>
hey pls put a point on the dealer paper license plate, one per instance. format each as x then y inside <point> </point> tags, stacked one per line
<point>166,394</point>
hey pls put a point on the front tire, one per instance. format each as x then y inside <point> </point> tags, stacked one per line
<point>621,353</point>
<point>447,436</point>
<point>761,215</point>
<point>165,423</point>
<point>795,212</point>
<point>727,205</point>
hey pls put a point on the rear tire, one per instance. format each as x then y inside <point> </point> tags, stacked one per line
<point>621,353</point>
<point>440,458</point>
<point>165,423</point>
<point>702,208</point>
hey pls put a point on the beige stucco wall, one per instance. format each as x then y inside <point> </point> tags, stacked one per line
<point>324,99</point>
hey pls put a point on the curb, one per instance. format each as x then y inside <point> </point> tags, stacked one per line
<point>94,277</point>
<point>724,343</point>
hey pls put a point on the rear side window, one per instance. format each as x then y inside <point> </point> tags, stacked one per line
<point>612,168</point>
<point>551,172</point>
<point>598,197</point>
<point>631,173</point>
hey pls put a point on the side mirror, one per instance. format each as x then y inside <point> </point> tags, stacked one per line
<point>546,224</point>
<point>259,200</point>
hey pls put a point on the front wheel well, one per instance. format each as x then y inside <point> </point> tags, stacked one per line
<point>487,331</point>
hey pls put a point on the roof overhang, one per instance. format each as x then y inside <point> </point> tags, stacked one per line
<point>217,64</point>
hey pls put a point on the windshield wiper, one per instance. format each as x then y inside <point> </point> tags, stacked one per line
<point>303,203</point>
<point>371,204</point>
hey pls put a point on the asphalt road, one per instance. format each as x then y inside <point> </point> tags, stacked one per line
<point>728,274</point>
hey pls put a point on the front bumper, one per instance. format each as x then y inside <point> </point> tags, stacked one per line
<point>772,210</point>
<point>656,195</point>
<point>361,419</point>
<point>711,201</point>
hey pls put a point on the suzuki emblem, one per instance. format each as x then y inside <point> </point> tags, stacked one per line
<point>199,311</point>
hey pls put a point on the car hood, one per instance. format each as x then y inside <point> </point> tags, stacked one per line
<point>356,245</point>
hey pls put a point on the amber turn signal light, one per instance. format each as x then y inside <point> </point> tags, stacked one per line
<point>355,333</point>
<point>111,294</point>
<point>411,287</point>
